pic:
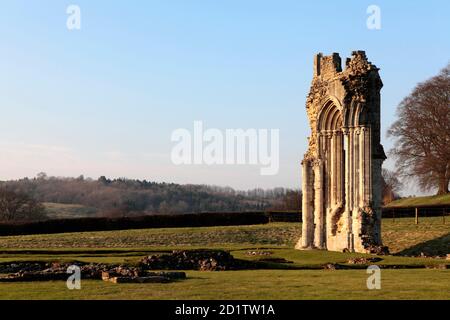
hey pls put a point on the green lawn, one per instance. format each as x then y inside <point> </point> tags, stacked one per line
<point>269,234</point>
<point>403,236</point>
<point>421,201</point>
<point>309,259</point>
<point>259,284</point>
<point>398,235</point>
<point>304,278</point>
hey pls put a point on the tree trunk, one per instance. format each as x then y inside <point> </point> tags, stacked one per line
<point>443,186</point>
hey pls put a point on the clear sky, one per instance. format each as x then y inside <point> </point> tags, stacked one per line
<point>105,99</point>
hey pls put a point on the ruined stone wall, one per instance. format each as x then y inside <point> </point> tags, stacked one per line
<point>341,169</point>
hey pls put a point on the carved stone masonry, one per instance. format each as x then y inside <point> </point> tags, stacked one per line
<point>341,169</point>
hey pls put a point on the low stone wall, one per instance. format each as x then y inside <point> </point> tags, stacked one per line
<point>30,272</point>
<point>144,272</point>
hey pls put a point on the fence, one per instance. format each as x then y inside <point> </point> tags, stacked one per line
<point>441,214</point>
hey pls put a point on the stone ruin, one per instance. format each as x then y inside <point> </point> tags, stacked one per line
<point>45,271</point>
<point>341,170</point>
<point>148,270</point>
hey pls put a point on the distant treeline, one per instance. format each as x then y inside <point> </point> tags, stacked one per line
<point>126,197</point>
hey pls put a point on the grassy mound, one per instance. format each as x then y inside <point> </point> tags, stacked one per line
<point>421,201</point>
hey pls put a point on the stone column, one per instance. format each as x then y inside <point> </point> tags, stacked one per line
<point>365,162</point>
<point>353,167</point>
<point>331,185</point>
<point>333,168</point>
<point>319,232</point>
<point>357,196</point>
<point>307,239</point>
<point>340,167</point>
<point>358,172</point>
<point>328,171</point>
<point>347,229</point>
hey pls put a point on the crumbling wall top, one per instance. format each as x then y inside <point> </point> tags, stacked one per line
<point>327,67</point>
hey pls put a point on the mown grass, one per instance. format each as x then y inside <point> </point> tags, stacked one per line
<point>430,236</point>
<point>128,246</point>
<point>421,201</point>
<point>317,259</point>
<point>270,234</point>
<point>255,284</point>
<point>398,235</point>
<point>279,281</point>
<point>309,259</point>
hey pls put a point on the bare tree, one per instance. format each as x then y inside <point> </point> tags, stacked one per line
<point>16,206</point>
<point>292,200</point>
<point>422,134</point>
<point>391,185</point>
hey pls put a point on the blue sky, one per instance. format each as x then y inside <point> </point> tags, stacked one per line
<point>104,100</point>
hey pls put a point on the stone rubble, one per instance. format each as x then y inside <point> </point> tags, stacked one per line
<point>363,260</point>
<point>27,272</point>
<point>259,253</point>
<point>378,250</point>
<point>203,260</point>
<point>332,266</point>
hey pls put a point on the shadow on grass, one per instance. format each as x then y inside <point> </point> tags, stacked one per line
<point>436,247</point>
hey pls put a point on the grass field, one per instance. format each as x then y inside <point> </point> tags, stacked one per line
<point>400,235</point>
<point>259,284</point>
<point>421,201</point>
<point>304,278</point>
<point>69,211</point>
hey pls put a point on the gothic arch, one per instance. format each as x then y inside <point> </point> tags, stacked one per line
<point>331,106</point>
<point>355,115</point>
<point>330,118</point>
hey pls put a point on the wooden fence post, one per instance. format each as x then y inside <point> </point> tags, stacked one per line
<point>417,215</point>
